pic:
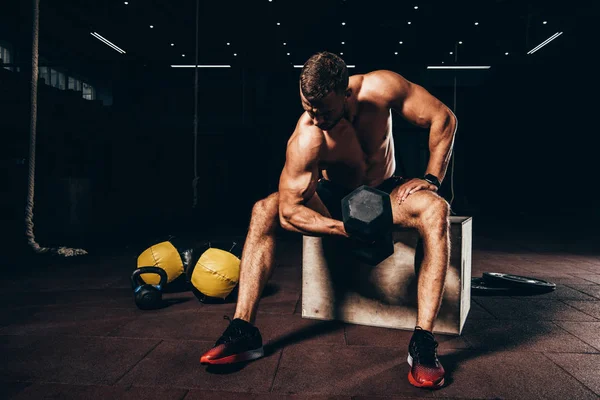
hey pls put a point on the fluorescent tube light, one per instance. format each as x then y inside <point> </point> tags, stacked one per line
<point>200,66</point>
<point>545,42</point>
<point>103,40</point>
<point>458,67</point>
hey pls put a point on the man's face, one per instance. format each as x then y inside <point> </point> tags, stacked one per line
<point>327,112</point>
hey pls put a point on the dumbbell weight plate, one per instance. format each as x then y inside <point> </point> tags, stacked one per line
<point>367,213</point>
<point>518,282</point>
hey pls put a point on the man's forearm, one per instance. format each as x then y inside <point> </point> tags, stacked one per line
<point>441,140</point>
<point>309,222</point>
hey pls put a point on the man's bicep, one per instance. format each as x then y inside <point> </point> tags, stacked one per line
<point>298,181</point>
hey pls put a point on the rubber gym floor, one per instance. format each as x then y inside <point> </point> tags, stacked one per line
<point>71,331</point>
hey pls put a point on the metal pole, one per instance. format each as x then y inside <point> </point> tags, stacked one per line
<point>454,110</point>
<point>455,62</point>
<point>195,182</point>
<point>33,127</point>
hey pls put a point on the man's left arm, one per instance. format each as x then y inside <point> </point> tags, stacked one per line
<point>422,109</point>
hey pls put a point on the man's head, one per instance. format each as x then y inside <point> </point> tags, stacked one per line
<point>324,89</point>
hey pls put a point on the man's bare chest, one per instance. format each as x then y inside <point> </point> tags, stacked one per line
<point>359,141</point>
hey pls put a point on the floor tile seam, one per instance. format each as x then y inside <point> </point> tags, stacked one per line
<point>577,309</point>
<point>572,334</point>
<point>135,364</point>
<point>276,370</point>
<point>568,373</point>
<point>485,309</point>
<point>592,282</point>
<point>120,326</point>
<point>592,298</point>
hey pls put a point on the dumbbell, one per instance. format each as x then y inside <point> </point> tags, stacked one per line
<point>367,216</point>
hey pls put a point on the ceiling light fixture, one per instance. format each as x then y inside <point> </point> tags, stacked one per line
<point>460,42</point>
<point>459,67</point>
<point>343,23</point>
<point>416,7</point>
<point>400,42</point>
<point>151,26</point>
<point>200,66</point>
<point>545,42</point>
<point>545,22</point>
<point>476,23</point>
<point>106,42</point>
<point>409,22</point>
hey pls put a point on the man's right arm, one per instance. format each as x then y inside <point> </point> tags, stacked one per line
<point>298,184</point>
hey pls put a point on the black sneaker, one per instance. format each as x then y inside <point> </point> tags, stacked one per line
<point>426,370</point>
<point>241,341</point>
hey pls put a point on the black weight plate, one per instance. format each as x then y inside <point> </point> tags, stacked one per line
<point>517,281</point>
<point>480,287</point>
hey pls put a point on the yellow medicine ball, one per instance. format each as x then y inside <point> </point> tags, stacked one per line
<point>163,255</point>
<point>215,275</point>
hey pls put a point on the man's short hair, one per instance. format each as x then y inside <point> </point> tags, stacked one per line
<point>322,73</point>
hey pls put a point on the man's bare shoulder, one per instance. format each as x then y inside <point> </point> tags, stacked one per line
<point>306,139</point>
<point>383,84</point>
<point>383,77</point>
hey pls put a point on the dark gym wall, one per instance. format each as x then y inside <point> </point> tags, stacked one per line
<point>525,144</point>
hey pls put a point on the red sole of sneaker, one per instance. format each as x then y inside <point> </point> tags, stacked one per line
<point>426,384</point>
<point>235,358</point>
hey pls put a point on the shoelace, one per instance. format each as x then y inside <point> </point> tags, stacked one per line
<point>425,349</point>
<point>231,332</point>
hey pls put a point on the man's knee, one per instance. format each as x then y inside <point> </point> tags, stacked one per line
<point>435,213</point>
<point>266,211</point>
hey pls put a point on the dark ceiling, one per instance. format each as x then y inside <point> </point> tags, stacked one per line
<point>372,30</point>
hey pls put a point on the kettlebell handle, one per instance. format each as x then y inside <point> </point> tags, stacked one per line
<point>135,283</point>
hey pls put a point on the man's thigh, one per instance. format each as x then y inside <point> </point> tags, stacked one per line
<point>408,213</point>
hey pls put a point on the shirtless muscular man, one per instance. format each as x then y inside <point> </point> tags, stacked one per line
<point>345,134</point>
